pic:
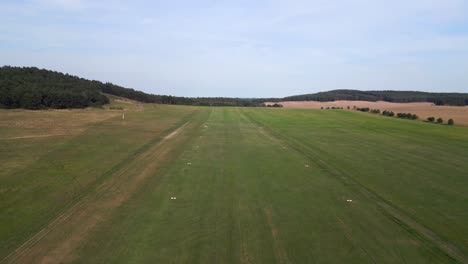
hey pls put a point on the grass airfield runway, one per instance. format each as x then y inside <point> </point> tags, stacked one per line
<point>252,185</point>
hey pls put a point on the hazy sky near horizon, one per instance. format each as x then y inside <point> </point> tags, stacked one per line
<point>265,48</point>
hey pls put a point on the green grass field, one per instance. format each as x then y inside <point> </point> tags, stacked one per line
<point>253,185</point>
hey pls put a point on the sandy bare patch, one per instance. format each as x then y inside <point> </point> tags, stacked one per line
<point>175,132</point>
<point>423,110</point>
<point>121,99</point>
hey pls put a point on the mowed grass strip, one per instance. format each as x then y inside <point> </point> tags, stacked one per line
<point>33,195</point>
<point>245,195</point>
<point>416,167</point>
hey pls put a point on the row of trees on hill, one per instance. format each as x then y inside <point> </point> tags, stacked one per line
<point>439,120</point>
<point>333,107</point>
<point>386,113</point>
<point>411,116</point>
<point>407,116</point>
<point>404,115</point>
<point>272,105</point>
<point>457,99</point>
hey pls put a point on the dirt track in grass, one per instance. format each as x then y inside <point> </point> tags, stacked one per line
<point>57,241</point>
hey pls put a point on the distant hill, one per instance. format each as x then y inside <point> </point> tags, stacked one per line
<point>458,99</point>
<point>33,88</point>
<point>168,99</point>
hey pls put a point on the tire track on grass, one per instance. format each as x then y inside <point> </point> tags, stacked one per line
<point>280,251</point>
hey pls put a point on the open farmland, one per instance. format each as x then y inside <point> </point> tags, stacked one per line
<point>423,110</point>
<point>252,185</point>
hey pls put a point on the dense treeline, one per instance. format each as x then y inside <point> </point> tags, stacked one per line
<point>458,99</point>
<point>33,88</point>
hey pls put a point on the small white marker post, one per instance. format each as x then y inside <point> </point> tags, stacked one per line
<point>123,116</point>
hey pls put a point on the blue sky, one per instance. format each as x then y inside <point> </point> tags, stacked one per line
<point>265,48</point>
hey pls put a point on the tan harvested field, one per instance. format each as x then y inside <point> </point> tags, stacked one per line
<point>423,110</point>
